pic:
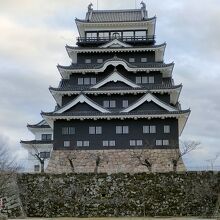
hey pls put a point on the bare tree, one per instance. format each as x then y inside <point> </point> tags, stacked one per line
<point>185,148</point>
<point>145,157</point>
<point>41,157</point>
<point>99,159</point>
<point>71,158</point>
<point>213,160</point>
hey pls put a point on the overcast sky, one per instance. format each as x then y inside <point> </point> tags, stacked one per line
<point>33,34</point>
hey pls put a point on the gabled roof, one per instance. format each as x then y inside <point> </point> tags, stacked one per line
<point>115,77</point>
<point>166,69</point>
<point>150,98</point>
<point>101,16</point>
<point>82,99</point>
<point>115,43</point>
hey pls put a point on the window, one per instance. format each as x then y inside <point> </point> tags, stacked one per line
<point>125,103</point>
<point>91,34</point>
<point>45,155</point>
<point>93,81</point>
<point>128,34</point>
<point>158,142</point>
<point>152,129</point>
<point>166,129</point>
<point>165,142</point>
<point>80,81</point>
<point>68,130</point>
<point>122,129</point>
<point>36,168</point>
<point>82,143</point>
<point>162,142</point>
<point>95,130</point>
<point>151,79</point>
<point>140,33</point>
<point>46,137</point>
<point>144,79</point>
<point>88,61</point>
<point>149,129</point>
<point>108,143</point>
<point>131,60</point>
<point>143,59</point>
<point>87,81</point>
<point>66,143</point>
<point>138,79</point>
<point>99,60</point>
<point>104,34</point>
<point>136,143</point>
<point>109,104</point>
<point>146,129</point>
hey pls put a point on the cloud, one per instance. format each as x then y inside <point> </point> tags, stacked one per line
<point>33,36</point>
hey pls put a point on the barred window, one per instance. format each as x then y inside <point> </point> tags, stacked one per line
<point>66,143</point>
<point>95,130</point>
<point>166,129</point>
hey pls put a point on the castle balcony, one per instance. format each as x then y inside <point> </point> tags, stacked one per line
<point>96,41</point>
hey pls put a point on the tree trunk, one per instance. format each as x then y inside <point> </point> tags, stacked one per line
<point>42,166</point>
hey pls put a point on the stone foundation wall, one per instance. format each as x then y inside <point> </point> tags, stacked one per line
<point>113,161</point>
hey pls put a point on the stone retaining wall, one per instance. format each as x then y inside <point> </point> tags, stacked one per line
<point>113,161</point>
<point>91,195</point>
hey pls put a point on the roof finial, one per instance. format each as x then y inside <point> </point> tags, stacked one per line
<point>143,5</point>
<point>90,7</point>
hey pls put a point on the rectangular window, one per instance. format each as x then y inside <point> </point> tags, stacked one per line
<point>91,34</point>
<point>104,34</point>
<point>151,79</point>
<point>122,129</point>
<point>98,130</point>
<point>166,129</point>
<point>112,143</point>
<point>86,143</point>
<point>36,168</point>
<point>128,34</point>
<point>152,129</point>
<point>93,81</point>
<point>106,104</point>
<point>136,143</point>
<point>158,142</point>
<point>138,79</point>
<point>99,60</point>
<point>45,155</point>
<point>143,60</point>
<point>79,143</point>
<point>125,103</point>
<point>131,60</point>
<point>140,33</point>
<point>125,130</point>
<point>118,129</point>
<point>105,143</point>
<point>144,79</point>
<point>112,104</point>
<point>80,81</point>
<point>66,143</point>
<point>88,61</point>
<point>139,142</point>
<point>165,142</point>
<point>68,130</point>
<point>91,130</point>
<point>86,81</point>
<point>46,137</point>
<point>132,143</point>
<point>95,130</point>
<point>146,129</point>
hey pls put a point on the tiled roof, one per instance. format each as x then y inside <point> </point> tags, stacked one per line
<point>100,16</point>
<point>144,112</point>
<point>36,142</point>
<point>66,86</point>
<point>98,66</point>
<point>41,124</point>
<point>103,49</point>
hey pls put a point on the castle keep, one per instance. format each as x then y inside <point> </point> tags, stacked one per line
<point>117,104</point>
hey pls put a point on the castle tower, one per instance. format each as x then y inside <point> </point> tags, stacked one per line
<point>117,104</point>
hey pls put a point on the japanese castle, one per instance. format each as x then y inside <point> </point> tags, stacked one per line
<point>117,104</point>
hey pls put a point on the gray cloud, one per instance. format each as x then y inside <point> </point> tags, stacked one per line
<point>33,36</point>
